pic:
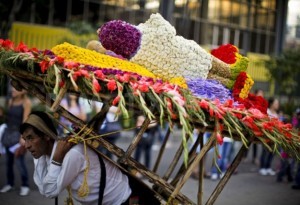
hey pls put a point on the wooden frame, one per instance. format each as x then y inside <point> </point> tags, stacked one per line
<point>167,192</point>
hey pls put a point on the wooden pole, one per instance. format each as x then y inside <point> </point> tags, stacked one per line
<point>135,141</point>
<point>175,161</point>
<point>188,173</point>
<point>201,175</point>
<point>228,174</point>
<point>162,149</point>
<point>192,155</point>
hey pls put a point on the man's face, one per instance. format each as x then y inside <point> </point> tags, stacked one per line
<point>36,145</point>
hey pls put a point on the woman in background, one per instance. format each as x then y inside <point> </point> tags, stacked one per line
<point>19,107</point>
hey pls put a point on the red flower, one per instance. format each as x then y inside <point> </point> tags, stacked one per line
<point>99,74</point>
<point>61,83</point>
<point>44,65</point>
<point>80,73</point>
<point>157,87</point>
<point>111,85</point>
<point>226,53</point>
<point>267,126</point>
<point>84,73</point>
<point>123,78</point>
<point>21,47</point>
<point>219,139</point>
<point>7,44</point>
<point>59,59</point>
<point>116,100</point>
<point>96,86</point>
<point>229,103</point>
<point>204,104</point>
<point>143,88</point>
<point>249,122</point>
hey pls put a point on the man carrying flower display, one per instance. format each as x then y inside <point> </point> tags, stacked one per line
<point>61,164</point>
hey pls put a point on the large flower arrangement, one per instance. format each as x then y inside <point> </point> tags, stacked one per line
<point>160,50</point>
<point>155,45</point>
<point>158,99</point>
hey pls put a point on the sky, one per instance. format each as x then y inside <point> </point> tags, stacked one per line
<point>293,12</point>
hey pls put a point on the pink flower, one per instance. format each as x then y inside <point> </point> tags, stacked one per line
<point>257,113</point>
<point>70,65</point>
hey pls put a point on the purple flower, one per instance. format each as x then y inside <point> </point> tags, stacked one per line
<point>210,89</point>
<point>120,37</point>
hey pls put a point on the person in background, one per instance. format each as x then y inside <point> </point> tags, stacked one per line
<point>222,162</point>
<point>2,128</point>
<point>195,173</point>
<point>71,103</point>
<point>296,184</point>
<point>19,107</point>
<point>111,125</point>
<point>146,142</point>
<point>267,156</point>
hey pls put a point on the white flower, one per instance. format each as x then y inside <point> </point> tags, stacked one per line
<point>168,55</point>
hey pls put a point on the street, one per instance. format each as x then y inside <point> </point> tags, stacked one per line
<point>246,187</point>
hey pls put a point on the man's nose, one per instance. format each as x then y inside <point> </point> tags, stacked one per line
<point>27,144</point>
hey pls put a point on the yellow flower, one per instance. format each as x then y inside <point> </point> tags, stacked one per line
<point>247,87</point>
<point>180,81</point>
<point>240,65</point>
<point>88,57</point>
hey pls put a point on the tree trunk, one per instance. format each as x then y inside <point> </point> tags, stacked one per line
<point>51,12</point>
<point>32,12</point>
<point>14,10</point>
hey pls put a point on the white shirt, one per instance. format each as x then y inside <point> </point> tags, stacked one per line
<point>52,179</point>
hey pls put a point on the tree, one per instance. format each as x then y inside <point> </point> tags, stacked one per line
<point>284,70</point>
<point>8,12</point>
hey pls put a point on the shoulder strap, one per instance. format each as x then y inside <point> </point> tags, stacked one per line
<point>102,180</point>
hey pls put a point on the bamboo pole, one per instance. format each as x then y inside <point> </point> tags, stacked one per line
<point>201,175</point>
<point>228,173</point>
<point>60,96</point>
<point>192,155</point>
<point>174,161</point>
<point>195,162</point>
<point>135,141</point>
<point>161,151</point>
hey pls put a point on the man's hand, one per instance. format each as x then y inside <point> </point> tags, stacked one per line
<point>62,147</point>
<point>20,151</point>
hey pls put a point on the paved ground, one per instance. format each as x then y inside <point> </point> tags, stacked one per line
<point>244,188</point>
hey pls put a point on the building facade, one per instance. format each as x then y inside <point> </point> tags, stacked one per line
<point>256,26</point>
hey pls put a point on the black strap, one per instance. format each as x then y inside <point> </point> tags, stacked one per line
<point>102,180</point>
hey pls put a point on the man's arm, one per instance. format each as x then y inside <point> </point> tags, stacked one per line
<point>56,178</point>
